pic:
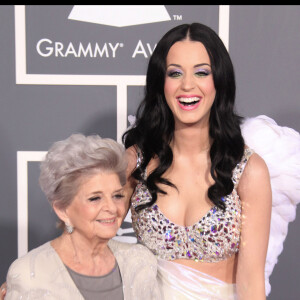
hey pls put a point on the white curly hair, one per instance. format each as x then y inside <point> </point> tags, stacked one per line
<point>71,160</point>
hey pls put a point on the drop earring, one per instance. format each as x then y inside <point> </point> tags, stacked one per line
<point>69,228</point>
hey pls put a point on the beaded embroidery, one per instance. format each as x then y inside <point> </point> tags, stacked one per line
<point>214,238</point>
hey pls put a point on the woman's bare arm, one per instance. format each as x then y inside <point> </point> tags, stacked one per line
<point>255,192</point>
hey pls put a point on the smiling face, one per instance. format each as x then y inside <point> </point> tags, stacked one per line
<point>189,87</point>
<point>98,208</point>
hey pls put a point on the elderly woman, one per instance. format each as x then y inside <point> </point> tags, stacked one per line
<point>83,179</point>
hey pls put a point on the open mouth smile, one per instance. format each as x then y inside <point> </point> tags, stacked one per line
<point>107,221</point>
<point>189,103</point>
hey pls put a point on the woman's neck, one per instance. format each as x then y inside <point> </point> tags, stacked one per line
<point>92,258</point>
<point>191,140</point>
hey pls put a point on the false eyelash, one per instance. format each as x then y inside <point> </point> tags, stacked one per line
<point>203,72</point>
<point>171,73</point>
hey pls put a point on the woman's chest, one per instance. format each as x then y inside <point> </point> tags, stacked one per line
<point>186,203</point>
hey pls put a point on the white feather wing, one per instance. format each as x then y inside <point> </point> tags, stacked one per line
<point>280,148</point>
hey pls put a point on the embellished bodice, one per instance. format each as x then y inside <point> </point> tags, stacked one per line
<point>215,237</point>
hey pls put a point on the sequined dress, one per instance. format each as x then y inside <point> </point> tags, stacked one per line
<point>215,237</point>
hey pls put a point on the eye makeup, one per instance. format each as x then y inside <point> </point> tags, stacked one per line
<point>202,72</point>
<point>174,72</point>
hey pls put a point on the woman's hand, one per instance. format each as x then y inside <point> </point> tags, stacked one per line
<point>3,291</point>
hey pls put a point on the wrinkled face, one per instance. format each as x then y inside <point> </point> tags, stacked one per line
<point>98,208</point>
<point>189,86</point>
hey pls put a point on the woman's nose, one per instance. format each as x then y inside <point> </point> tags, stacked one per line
<point>188,82</point>
<point>110,205</point>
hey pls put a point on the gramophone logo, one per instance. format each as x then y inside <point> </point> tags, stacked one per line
<point>110,15</point>
<point>119,15</point>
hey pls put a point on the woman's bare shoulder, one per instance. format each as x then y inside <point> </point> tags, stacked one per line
<point>255,176</point>
<point>131,154</point>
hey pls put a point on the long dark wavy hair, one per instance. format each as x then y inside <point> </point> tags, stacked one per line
<point>154,127</point>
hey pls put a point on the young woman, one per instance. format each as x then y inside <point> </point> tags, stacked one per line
<point>201,198</point>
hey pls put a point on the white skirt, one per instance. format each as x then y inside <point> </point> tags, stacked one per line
<point>179,282</point>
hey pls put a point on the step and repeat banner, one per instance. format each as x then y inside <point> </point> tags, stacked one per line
<point>67,69</point>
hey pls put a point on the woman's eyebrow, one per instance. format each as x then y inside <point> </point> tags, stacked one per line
<point>174,65</point>
<point>200,65</point>
<point>195,66</point>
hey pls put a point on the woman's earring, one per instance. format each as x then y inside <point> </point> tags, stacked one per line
<point>69,228</point>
